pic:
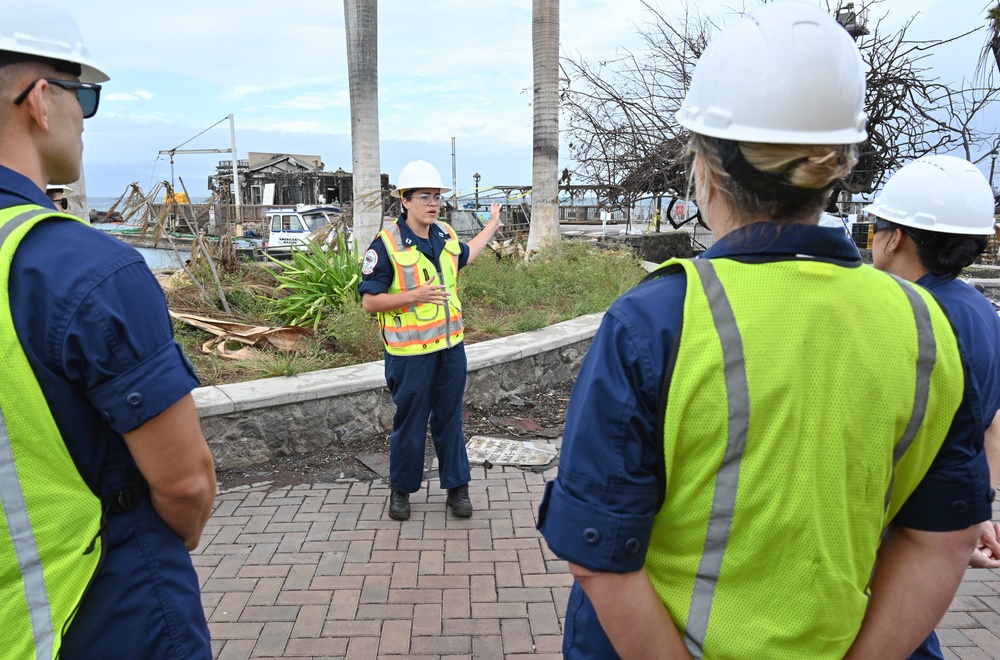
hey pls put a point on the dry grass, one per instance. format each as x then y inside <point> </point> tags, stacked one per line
<point>500,297</point>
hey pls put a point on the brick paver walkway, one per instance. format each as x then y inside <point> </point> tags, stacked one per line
<point>319,571</point>
<point>971,628</point>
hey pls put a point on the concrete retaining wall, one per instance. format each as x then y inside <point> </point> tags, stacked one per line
<point>253,422</point>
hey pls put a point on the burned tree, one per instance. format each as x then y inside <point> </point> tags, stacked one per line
<point>623,134</point>
<point>909,113</point>
<point>621,112</point>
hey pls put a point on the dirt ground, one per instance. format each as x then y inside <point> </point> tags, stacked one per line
<point>539,417</point>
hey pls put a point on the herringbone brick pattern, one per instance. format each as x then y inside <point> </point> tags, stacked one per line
<point>319,571</point>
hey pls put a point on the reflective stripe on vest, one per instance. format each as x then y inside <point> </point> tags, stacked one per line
<point>15,511</point>
<point>745,469</point>
<point>728,477</point>
<point>48,562</point>
<point>926,356</point>
<point>421,328</point>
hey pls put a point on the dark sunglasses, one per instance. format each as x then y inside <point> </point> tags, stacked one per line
<point>87,94</point>
<point>881,224</point>
<point>61,203</point>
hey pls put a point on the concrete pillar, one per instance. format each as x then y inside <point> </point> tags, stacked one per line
<point>78,197</point>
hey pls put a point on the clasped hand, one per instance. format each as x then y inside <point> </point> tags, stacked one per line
<point>987,552</point>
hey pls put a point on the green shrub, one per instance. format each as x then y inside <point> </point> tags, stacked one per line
<point>500,297</point>
<point>562,282</point>
<point>317,280</point>
<point>354,332</point>
<point>247,303</point>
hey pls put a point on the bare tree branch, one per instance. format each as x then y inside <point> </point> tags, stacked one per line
<point>625,140</point>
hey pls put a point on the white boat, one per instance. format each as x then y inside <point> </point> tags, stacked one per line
<point>288,226</point>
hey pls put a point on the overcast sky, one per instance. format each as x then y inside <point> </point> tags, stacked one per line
<point>449,68</point>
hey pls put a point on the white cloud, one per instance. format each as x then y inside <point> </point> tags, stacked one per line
<point>447,69</point>
<point>125,97</point>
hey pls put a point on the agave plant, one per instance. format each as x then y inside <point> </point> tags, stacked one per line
<point>319,278</point>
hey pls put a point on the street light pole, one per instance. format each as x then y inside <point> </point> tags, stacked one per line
<point>993,164</point>
<point>476,178</point>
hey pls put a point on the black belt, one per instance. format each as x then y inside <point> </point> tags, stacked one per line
<point>126,498</point>
<point>118,502</point>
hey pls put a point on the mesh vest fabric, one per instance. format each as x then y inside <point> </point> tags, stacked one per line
<point>50,516</point>
<point>790,420</point>
<point>424,327</point>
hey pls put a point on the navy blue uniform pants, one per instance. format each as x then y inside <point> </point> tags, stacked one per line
<point>427,388</point>
<point>929,650</point>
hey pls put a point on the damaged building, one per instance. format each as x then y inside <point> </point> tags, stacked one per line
<point>285,179</point>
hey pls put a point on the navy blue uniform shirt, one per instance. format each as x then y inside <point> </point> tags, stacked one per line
<point>93,323</point>
<point>606,493</point>
<point>978,328</point>
<point>377,272</point>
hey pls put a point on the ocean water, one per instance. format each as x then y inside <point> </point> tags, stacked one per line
<point>155,257</point>
<point>100,203</point>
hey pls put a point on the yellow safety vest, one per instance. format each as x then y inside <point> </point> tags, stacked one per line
<point>49,528</point>
<point>424,327</point>
<point>807,402</point>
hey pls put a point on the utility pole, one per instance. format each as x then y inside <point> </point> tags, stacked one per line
<point>454,171</point>
<point>236,169</point>
<point>231,150</point>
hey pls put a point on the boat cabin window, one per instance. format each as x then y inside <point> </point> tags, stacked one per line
<point>315,220</point>
<point>286,223</point>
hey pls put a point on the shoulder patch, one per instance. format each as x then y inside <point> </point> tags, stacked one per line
<point>371,260</point>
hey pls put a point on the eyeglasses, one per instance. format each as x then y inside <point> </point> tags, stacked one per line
<point>427,198</point>
<point>62,203</point>
<point>87,94</point>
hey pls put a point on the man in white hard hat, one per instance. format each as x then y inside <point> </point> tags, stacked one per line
<point>106,480</point>
<point>409,279</point>
<point>57,193</point>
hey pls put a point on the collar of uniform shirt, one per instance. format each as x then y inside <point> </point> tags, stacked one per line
<point>764,239</point>
<point>435,241</point>
<point>17,189</point>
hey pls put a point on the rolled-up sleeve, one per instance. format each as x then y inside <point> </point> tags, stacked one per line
<point>118,346</point>
<point>145,390</point>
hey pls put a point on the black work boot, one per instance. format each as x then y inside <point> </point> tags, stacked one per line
<point>399,505</point>
<point>459,502</point>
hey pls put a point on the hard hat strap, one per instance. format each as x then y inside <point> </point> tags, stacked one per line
<point>767,186</point>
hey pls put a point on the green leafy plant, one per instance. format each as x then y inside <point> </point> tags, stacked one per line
<point>318,279</point>
<point>500,296</point>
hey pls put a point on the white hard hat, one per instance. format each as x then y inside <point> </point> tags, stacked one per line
<point>55,186</point>
<point>44,29</point>
<point>418,174</point>
<point>787,73</point>
<point>938,193</point>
